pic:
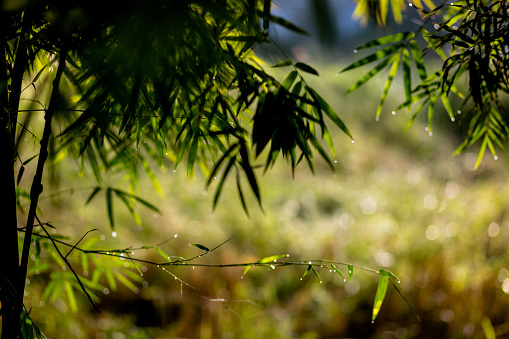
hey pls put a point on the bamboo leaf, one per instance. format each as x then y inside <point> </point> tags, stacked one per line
<point>407,74</point>
<point>306,271</point>
<point>247,269</point>
<point>192,154</point>
<point>126,282</point>
<point>371,73</point>
<point>70,296</point>
<point>151,176</point>
<point>93,194</point>
<point>380,295</point>
<point>283,63</point>
<point>290,78</point>
<point>248,170</point>
<point>316,273</point>
<point>447,105</point>
<point>388,39</point>
<point>321,104</point>
<point>110,278</point>
<point>287,24</point>
<point>418,60</point>
<point>392,74</point>
<point>375,56</point>
<point>272,258</point>
<point>387,273</point>
<point>201,247</point>
<point>350,272</point>
<point>162,253</point>
<point>306,68</point>
<point>219,188</point>
<point>109,207</point>
<point>481,152</point>
<point>338,271</point>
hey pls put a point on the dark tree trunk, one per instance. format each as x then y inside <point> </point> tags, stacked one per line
<point>9,269</point>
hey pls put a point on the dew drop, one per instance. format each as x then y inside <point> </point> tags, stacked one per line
<point>287,255</point>
<point>176,235</point>
<point>337,74</point>
<point>353,141</point>
<point>372,321</point>
<point>452,119</point>
<point>300,278</point>
<point>320,282</point>
<point>436,26</point>
<point>430,134</point>
<point>459,112</point>
<point>393,112</point>
<point>344,280</point>
<point>399,281</point>
<point>113,234</point>
<point>377,119</point>
<point>355,51</point>
<point>174,171</point>
<point>495,157</point>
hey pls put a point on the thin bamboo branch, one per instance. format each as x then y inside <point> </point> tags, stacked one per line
<point>37,188</point>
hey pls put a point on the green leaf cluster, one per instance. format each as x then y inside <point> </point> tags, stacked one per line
<point>472,41</point>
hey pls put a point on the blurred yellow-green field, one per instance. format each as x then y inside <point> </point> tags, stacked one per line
<point>398,200</point>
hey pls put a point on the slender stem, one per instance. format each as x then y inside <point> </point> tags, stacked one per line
<point>36,188</point>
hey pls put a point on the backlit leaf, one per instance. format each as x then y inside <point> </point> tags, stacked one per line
<point>350,272</point>
<point>379,55</point>
<point>380,295</point>
<point>272,258</point>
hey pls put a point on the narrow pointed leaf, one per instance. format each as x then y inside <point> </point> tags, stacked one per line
<point>306,68</point>
<point>192,154</point>
<point>320,103</point>
<point>93,194</point>
<point>337,271</point>
<point>388,83</point>
<point>316,273</point>
<point>375,56</point>
<point>70,296</point>
<point>290,78</point>
<point>388,39</point>
<point>109,207</point>
<point>407,73</point>
<point>419,62</point>
<point>201,247</point>
<point>162,253</point>
<point>307,271</point>
<point>283,63</point>
<point>371,73</point>
<point>272,258</point>
<point>380,295</point>
<point>350,272</point>
<point>248,267</point>
<point>387,273</point>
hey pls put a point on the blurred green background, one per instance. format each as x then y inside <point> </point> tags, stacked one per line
<point>397,201</point>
